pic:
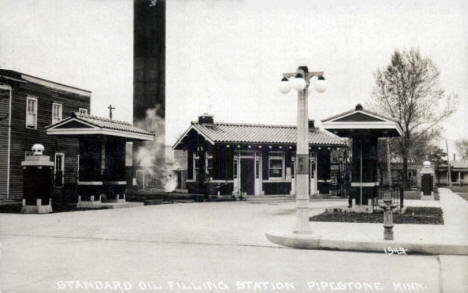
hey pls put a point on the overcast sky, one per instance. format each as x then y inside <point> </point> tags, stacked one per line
<point>227,57</point>
<point>83,43</point>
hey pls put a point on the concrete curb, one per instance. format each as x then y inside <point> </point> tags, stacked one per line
<point>314,242</point>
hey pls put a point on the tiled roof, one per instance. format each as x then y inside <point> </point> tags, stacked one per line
<point>257,133</point>
<point>108,123</point>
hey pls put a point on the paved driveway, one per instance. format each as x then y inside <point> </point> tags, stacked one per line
<point>197,247</point>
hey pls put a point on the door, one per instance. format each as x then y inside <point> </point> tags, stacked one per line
<point>427,184</point>
<point>247,176</point>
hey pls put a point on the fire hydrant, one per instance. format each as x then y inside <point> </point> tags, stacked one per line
<point>388,207</point>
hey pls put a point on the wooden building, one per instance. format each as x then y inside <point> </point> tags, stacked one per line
<point>27,105</point>
<point>458,170</point>
<point>252,159</point>
<point>102,167</point>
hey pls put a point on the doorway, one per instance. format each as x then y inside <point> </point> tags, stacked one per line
<point>247,174</point>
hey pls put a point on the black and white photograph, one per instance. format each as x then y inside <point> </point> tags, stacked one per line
<point>195,146</point>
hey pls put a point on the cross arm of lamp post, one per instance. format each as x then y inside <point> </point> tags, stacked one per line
<point>307,75</point>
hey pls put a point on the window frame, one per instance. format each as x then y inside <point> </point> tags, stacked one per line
<point>209,169</point>
<point>235,167</point>
<point>59,154</point>
<point>36,104</point>
<point>85,112</point>
<point>276,155</point>
<point>293,167</point>
<point>257,169</point>
<point>55,120</point>
<point>195,159</point>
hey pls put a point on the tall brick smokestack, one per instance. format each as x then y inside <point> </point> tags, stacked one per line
<point>149,49</point>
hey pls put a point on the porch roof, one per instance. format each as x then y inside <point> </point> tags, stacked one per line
<point>79,124</point>
<point>258,134</point>
<point>364,122</point>
<point>461,165</point>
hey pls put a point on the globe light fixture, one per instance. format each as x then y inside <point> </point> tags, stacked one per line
<point>320,84</point>
<point>284,86</point>
<point>298,82</point>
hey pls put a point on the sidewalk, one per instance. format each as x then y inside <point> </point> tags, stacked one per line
<point>450,238</point>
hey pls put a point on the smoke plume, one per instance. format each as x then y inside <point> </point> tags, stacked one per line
<point>150,156</point>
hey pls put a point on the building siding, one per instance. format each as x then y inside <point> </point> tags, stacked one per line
<point>23,138</point>
<point>4,107</point>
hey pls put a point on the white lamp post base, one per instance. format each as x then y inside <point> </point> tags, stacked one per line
<point>302,220</point>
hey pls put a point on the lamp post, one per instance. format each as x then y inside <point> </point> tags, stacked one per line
<point>300,81</point>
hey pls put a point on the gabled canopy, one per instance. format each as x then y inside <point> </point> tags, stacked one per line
<point>79,124</point>
<point>362,122</point>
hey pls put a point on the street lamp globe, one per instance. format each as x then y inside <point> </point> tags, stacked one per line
<point>298,82</point>
<point>284,86</point>
<point>320,84</point>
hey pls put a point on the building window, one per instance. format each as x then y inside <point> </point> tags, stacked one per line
<point>56,112</point>
<point>196,166</point>
<point>276,164</point>
<point>334,156</point>
<point>235,169</point>
<point>31,112</point>
<point>59,169</point>
<point>293,168</point>
<point>209,164</point>
<point>82,110</point>
<point>257,169</point>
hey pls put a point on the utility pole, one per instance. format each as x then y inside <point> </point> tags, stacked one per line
<point>389,164</point>
<point>449,172</point>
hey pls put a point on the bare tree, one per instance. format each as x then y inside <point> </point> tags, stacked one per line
<point>408,91</point>
<point>462,148</point>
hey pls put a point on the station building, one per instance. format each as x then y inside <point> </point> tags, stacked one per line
<point>254,159</point>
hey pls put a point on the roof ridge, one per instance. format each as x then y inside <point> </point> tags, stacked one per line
<point>246,124</point>
<point>102,118</point>
<point>317,128</point>
<point>19,74</point>
<point>355,111</point>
